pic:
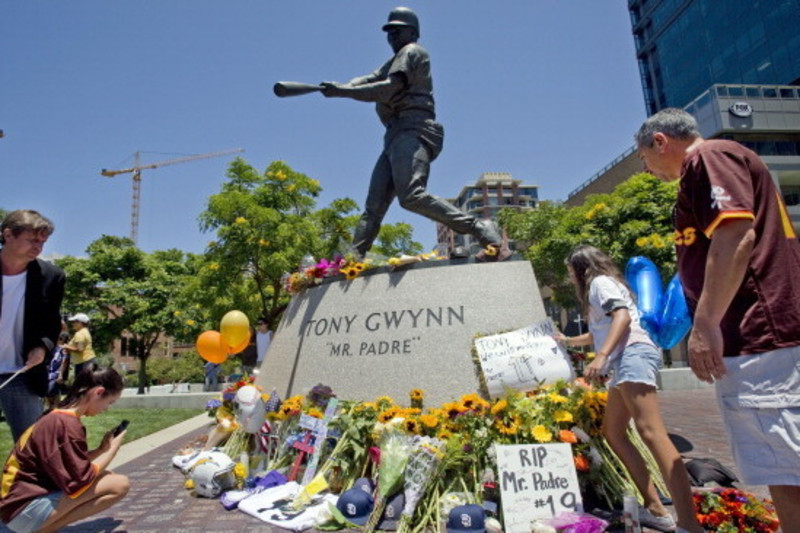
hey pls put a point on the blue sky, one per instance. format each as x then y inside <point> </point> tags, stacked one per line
<point>544,89</point>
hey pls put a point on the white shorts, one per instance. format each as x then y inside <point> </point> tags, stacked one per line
<point>759,399</point>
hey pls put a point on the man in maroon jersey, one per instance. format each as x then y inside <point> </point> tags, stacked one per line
<point>739,261</point>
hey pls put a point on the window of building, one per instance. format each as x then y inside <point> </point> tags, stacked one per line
<point>788,93</point>
<point>753,92</point>
<point>736,91</point>
<point>770,92</point>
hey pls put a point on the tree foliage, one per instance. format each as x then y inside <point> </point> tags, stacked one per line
<point>635,219</point>
<point>124,289</point>
<point>395,240</point>
<point>265,224</point>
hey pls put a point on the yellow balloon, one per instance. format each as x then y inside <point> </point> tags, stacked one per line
<point>238,349</point>
<point>234,328</point>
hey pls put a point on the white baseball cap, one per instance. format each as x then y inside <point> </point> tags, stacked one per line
<point>79,317</point>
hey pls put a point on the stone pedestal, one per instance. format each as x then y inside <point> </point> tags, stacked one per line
<point>388,332</point>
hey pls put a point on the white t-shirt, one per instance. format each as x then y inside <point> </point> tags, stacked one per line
<point>605,295</point>
<point>11,321</point>
<point>262,344</point>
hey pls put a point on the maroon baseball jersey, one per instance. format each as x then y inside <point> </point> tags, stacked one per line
<point>50,456</point>
<point>723,180</point>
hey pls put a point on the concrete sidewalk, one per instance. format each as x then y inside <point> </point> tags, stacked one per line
<point>159,503</point>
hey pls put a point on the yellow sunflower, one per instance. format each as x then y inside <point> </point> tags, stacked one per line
<point>508,427</point>
<point>411,426</point>
<point>562,415</point>
<point>387,415</point>
<point>429,421</point>
<point>444,434</point>
<point>349,272</point>
<point>499,407</point>
<point>473,402</point>
<point>541,434</point>
<point>453,409</point>
<point>557,398</point>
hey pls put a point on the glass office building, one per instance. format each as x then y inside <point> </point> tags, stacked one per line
<point>685,46</point>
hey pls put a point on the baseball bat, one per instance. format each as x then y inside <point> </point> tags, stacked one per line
<point>294,88</point>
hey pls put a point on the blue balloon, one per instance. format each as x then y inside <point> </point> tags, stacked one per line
<point>643,277</point>
<point>675,317</point>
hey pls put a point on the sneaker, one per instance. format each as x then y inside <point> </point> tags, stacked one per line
<point>661,523</point>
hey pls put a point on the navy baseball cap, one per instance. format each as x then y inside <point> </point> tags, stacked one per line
<point>466,519</point>
<point>391,514</point>
<point>355,505</point>
<point>365,484</point>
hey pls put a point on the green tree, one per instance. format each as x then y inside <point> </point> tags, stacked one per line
<point>396,239</point>
<point>128,291</point>
<point>635,219</point>
<point>265,224</point>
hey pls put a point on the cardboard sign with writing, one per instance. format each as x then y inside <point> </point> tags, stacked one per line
<point>524,359</point>
<point>536,481</point>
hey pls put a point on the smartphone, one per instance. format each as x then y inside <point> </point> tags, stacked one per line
<point>121,427</point>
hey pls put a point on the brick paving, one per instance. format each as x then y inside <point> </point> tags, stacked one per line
<point>159,503</point>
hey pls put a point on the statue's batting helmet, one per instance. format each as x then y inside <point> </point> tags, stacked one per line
<point>402,16</point>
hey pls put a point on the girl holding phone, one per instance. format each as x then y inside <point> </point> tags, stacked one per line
<point>51,478</point>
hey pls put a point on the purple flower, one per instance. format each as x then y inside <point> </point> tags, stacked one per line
<point>213,404</point>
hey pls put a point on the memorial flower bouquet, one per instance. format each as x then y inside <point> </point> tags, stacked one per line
<point>465,430</point>
<point>728,510</point>
<point>221,408</point>
<point>395,446</point>
<point>426,455</point>
<point>310,275</point>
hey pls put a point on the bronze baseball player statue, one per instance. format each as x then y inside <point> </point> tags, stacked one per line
<point>402,90</point>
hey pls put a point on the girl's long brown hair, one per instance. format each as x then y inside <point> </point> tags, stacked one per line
<point>587,262</point>
<point>90,377</point>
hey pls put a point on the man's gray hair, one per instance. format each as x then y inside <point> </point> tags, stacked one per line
<point>672,122</point>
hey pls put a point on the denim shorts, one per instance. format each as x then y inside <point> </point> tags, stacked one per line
<point>638,363</point>
<point>35,513</point>
<point>759,399</point>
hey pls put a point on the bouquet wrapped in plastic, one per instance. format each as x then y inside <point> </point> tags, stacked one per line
<point>395,452</point>
<point>426,455</point>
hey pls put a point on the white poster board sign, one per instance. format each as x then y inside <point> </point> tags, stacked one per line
<point>524,359</point>
<point>536,481</point>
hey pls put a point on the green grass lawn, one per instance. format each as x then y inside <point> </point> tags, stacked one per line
<point>143,422</point>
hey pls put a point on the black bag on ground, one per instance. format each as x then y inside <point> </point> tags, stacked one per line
<point>704,470</point>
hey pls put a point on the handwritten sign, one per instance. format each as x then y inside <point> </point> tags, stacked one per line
<point>524,359</point>
<point>536,481</point>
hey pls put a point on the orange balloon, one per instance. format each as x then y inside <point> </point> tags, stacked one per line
<point>211,347</point>
<point>239,347</point>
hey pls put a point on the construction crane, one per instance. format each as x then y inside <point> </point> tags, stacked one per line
<point>136,177</point>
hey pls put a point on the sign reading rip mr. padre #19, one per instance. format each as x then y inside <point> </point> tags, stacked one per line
<point>390,332</point>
